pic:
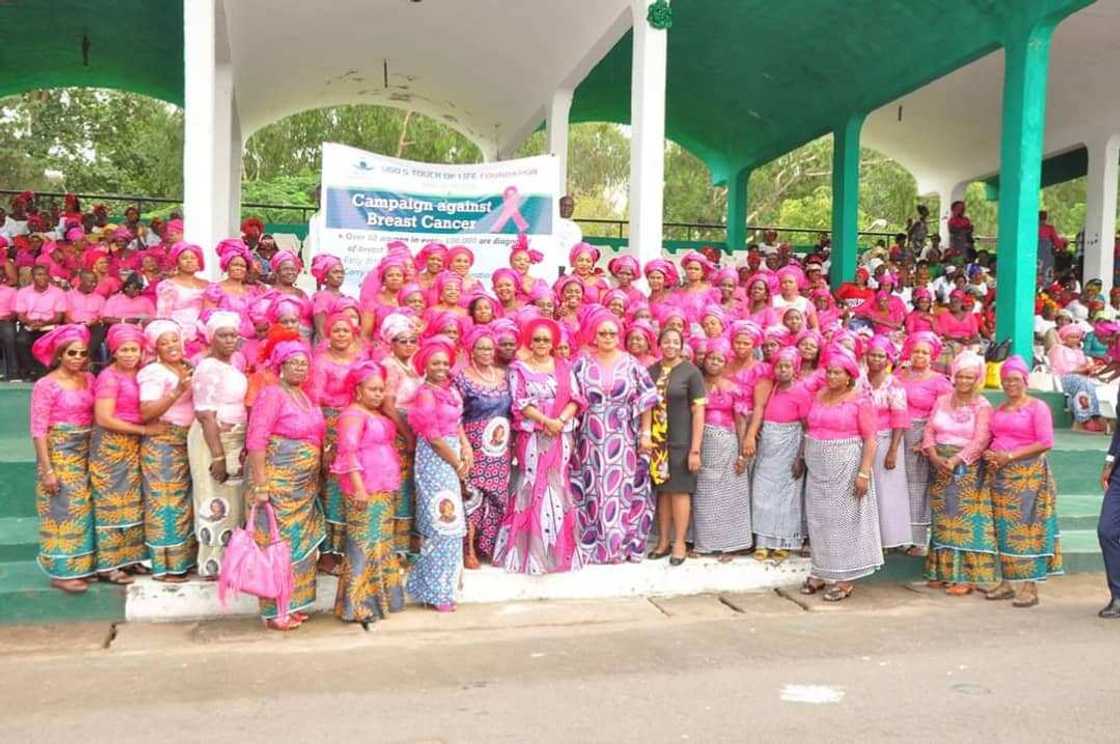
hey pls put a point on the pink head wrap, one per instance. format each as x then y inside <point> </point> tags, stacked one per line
<point>540,290</point>
<point>504,273</point>
<point>1014,365</point>
<point>285,350</point>
<point>563,282</point>
<point>633,309</point>
<point>531,325</point>
<point>259,310</point>
<point>477,334</point>
<point>93,256</point>
<point>967,360</point>
<point>123,333</point>
<point>768,279</point>
<point>52,341</point>
<point>719,346</point>
<point>438,321</point>
<point>840,357</point>
<point>727,273</point>
<point>922,337</point>
<point>596,319</point>
<point>665,313</point>
<point>747,328</point>
<point>443,279</point>
<point>503,328</point>
<point>1070,330</point>
<point>232,248</point>
<point>645,329</point>
<point>583,248</point>
<point>792,272</point>
<point>921,293</point>
<point>714,311</point>
<point>459,250</point>
<point>284,256</point>
<point>174,226</point>
<point>284,305</point>
<point>430,347</point>
<point>522,245</point>
<point>391,261</point>
<point>431,249</point>
<point>697,257</point>
<point>321,265</point>
<point>791,355</point>
<point>883,344</point>
<point>407,291</point>
<point>340,317</point>
<point>611,296</point>
<point>667,269</point>
<point>395,324</point>
<point>361,372</point>
<point>618,263</point>
<point>75,233</point>
<point>182,247</point>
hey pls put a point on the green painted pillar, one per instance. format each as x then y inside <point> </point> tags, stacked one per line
<point>1026,57</point>
<point>737,210</point>
<point>845,199</point>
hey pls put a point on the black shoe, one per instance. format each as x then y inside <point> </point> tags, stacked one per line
<point>675,561</point>
<point>1112,612</point>
<point>655,556</point>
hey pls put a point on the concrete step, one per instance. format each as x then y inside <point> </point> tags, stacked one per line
<point>26,596</point>
<point>19,539</point>
<point>1078,511</point>
<point>1081,551</point>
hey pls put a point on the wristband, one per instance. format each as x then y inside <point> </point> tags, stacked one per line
<point>1109,459</point>
<point>862,474</point>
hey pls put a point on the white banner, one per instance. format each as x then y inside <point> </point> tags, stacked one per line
<point>370,200</point>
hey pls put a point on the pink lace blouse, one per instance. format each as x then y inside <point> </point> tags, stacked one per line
<point>122,388</point>
<point>217,295</point>
<point>853,417</point>
<point>157,381</point>
<point>328,381</point>
<point>435,412</point>
<point>53,404</point>
<point>220,387</point>
<point>1064,360</point>
<point>889,402</point>
<point>181,304</point>
<point>788,405</point>
<point>275,413</point>
<point>966,427</point>
<point>1014,429</point>
<point>747,379</point>
<point>366,445</point>
<point>921,394</point>
<point>723,404</point>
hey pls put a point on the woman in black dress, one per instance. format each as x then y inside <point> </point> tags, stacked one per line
<point>677,429</point>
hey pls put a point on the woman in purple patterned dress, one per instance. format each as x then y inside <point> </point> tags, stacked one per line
<point>486,402</point>
<point>610,477</point>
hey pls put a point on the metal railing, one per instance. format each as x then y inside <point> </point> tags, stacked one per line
<point>143,202</point>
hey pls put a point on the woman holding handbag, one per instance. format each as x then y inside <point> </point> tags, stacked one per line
<point>283,440</point>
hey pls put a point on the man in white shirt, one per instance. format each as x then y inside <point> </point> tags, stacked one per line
<point>566,231</point>
<point>769,244</point>
<point>15,223</point>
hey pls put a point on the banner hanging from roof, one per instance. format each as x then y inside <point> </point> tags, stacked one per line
<point>369,201</point>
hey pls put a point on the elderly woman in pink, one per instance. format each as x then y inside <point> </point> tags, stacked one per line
<point>1070,365</point>
<point>661,276</point>
<point>841,507</point>
<point>114,466</point>
<point>180,296</point>
<point>963,544</point>
<point>582,257</point>
<point>923,386</point>
<point>888,398</point>
<point>165,396</point>
<point>1022,490</point>
<point>446,294</point>
<point>234,293</point>
<point>61,416</point>
<point>369,473</point>
<point>283,440</point>
<point>330,389</point>
<point>329,275</point>
<point>216,441</point>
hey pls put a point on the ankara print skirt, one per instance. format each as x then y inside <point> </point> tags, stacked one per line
<point>66,541</point>
<point>168,509</point>
<point>118,499</point>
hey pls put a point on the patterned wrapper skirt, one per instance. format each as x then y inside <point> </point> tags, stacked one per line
<point>118,499</point>
<point>370,582</point>
<point>963,545</point>
<point>434,576</point>
<point>721,505</point>
<point>917,483</point>
<point>843,528</point>
<point>404,500</point>
<point>66,534</point>
<point>1082,393</point>
<point>218,507</point>
<point>292,474</point>
<point>892,494</point>
<point>330,494</point>
<point>487,489</point>
<point>168,510</point>
<point>1023,505</point>
<point>776,496</point>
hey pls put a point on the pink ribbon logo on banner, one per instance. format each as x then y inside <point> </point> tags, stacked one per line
<point>511,203</point>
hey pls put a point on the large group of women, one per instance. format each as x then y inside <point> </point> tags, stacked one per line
<point>434,423</point>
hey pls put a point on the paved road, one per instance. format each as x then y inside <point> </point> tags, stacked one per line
<point>893,663</point>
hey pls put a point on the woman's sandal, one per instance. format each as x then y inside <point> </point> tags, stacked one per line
<point>171,578</point>
<point>761,554</point>
<point>138,569</point>
<point>1003,591</point>
<point>779,555</point>
<point>470,562</point>
<point>958,590</point>
<point>811,586</point>
<point>70,586</point>
<point>282,625</point>
<point>837,593</point>
<point>915,551</point>
<point>116,576</point>
<point>656,555</point>
<point>1026,598</point>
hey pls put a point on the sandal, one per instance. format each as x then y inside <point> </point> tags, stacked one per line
<point>656,555</point>
<point>138,569</point>
<point>282,625</point>
<point>761,554</point>
<point>958,590</point>
<point>812,586</point>
<point>916,551</point>
<point>779,555</point>
<point>171,578</point>
<point>1003,591</point>
<point>470,562</point>
<point>70,586</point>
<point>1026,597</point>
<point>838,592</point>
<point>116,576</point>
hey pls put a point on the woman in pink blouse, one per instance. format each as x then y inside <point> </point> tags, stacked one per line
<point>61,416</point>
<point>287,267</point>
<point>165,395</point>
<point>759,309</point>
<point>369,474</point>
<point>233,293</point>
<point>1022,490</point>
<point>114,467</point>
<point>179,297</point>
<point>216,442</point>
<point>1070,365</point>
<point>777,479</point>
<point>330,368</point>
<point>661,275</point>
<point>284,440</point>
<point>923,386</point>
<point>888,398</point>
<point>921,317</point>
<point>382,293</point>
<point>129,305</point>
<point>329,276</point>
<point>963,541</point>
<point>958,327</point>
<point>841,508</point>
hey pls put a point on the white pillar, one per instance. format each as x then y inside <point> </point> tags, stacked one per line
<point>558,111</point>
<point>489,151</point>
<point>220,196</point>
<point>947,193</point>
<point>1100,207</point>
<point>236,147</point>
<point>200,139</point>
<point>647,137</point>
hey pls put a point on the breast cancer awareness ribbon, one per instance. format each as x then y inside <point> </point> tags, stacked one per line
<point>511,203</point>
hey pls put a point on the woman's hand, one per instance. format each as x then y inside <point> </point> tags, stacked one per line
<point>891,458</point>
<point>798,468</point>
<point>360,495</point>
<point>468,458</point>
<point>1106,475</point>
<point>155,429</point>
<point>997,459</point>
<point>748,448</point>
<point>862,483</point>
<point>50,482</point>
<point>218,469</point>
<point>645,444</point>
<point>185,375</point>
<point>740,465</point>
<point>553,426</point>
<point>694,461</point>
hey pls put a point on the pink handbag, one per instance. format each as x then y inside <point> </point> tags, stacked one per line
<point>262,572</point>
